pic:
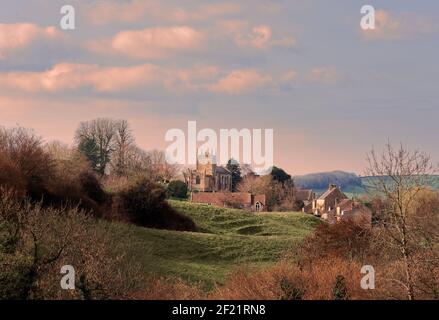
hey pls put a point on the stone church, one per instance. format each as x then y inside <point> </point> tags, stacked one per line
<point>208,176</point>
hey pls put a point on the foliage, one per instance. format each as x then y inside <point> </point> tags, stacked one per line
<point>340,292</point>
<point>177,189</point>
<point>279,175</point>
<point>234,167</point>
<point>144,204</point>
<point>35,242</point>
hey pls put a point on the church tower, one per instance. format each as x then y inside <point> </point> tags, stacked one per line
<point>206,164</point>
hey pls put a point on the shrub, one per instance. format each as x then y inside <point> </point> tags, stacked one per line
<point>289,291</point>
<point>340,292</point>
<point>344,239</point>
<point>177,189</point>
<point>144,204</point>
<point>54,174</point>
<point>44,239</point>
<point>91,186</point>
<point>298,205</point>
<point>14,276</point>
<point>24,158</point>
<point>288,281</point>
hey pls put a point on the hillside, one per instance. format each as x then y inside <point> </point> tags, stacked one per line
<point>350,183</point>
<point>322,180</point>
<point>227,238</point>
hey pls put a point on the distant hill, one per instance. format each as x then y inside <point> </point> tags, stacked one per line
<point>320,181</point>
<point>350,183</point>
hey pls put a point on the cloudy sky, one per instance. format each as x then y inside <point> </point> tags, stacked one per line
<point>304,68</point>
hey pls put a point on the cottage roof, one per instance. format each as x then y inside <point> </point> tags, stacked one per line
<point>327,193</point>
<point>304,194</point>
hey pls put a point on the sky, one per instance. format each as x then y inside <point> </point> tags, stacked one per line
<point>304,68</point>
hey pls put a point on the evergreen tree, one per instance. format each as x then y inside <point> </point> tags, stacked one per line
<point>280,175</point>
<point>235,169</point>
<point>90,150</point>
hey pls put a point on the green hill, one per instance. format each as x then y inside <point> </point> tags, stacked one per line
<point>350,183</point>
<point>226,239</point>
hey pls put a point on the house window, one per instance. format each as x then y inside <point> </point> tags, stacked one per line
<point>258,206</point>
<point>197,180</point>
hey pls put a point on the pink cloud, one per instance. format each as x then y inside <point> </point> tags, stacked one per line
<point>195,79</point>
<point>241,81</point>
<point>259,37</point>
<point>323,75</point>
<point>70,76</point>
<point>20,35</point>
<point>398,26</point>
<point>150,43</point>
<point>290,76</point>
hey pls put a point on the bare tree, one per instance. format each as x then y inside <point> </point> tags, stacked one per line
<point>123,148</point>
<point>400,176</point>
<point>160,168</point>
<point>246,170</point>
<point>95,139</point>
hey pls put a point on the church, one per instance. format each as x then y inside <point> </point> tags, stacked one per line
<point>208,176</point>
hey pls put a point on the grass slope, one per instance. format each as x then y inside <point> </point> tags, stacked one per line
<point>227,238</point>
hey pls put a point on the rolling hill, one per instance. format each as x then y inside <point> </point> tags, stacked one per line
<point>350,183</point>
<point>226,239</point>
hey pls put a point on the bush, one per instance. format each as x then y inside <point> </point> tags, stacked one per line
<point>344,239</point>
<point>41,240</point>
<point>177,189</point>
<point>23,156</point>
<point>54,174</point>
<point>14,280</point>
<point>144,204</point>
<point>298,205</point>
<point>340,292</point>
<point>91,187</point>
<point>291,281</point>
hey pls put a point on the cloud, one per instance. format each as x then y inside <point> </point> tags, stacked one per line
<point>71,76</point>
<point>102,13</point>
<point>289,77</point>
<point>158,79</point>
<point>20,35</point>
<point>150,43</point>
<point>259,37</point>
<point>200,78</point>
<point>241,81</point>
<point>323,75</point>
<point>208,11</point>
<point>398,26</point>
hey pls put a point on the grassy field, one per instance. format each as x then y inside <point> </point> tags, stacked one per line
<point>226,239</point>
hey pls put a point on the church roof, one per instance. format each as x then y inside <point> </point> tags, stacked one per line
<point>221,169</point>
